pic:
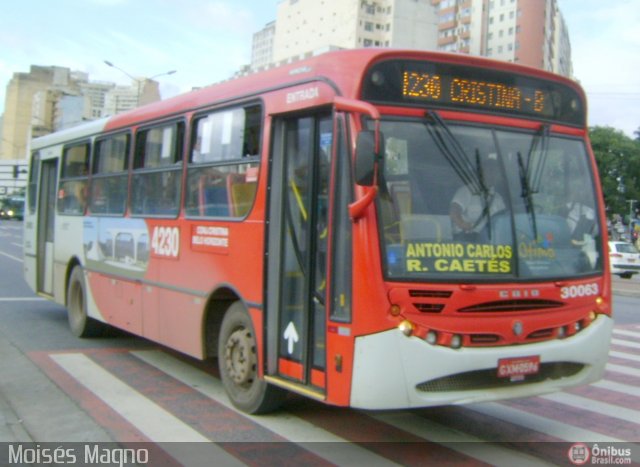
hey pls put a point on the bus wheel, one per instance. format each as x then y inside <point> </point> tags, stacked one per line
<point>238,363</point>
<point>81,325</point>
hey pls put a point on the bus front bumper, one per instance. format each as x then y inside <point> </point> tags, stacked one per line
<point>393,371</point>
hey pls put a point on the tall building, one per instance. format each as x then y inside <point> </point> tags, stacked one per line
<point>16,123</point>
<point>307,27</point>
<point>530,32</point>
<point>122,98</point>
<point>49,99</point>
<point>262,47</point>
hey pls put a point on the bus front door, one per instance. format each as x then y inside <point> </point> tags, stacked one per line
<point>297,250</point>
<point>46,221</point>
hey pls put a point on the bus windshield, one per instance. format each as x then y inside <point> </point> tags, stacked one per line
<point>473,203</point>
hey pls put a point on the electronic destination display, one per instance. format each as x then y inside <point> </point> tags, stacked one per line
<point>466,87</point>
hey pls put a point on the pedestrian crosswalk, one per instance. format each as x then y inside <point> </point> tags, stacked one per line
<point>164,399</point>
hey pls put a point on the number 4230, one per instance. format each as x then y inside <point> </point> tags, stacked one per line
<point>165,242</point>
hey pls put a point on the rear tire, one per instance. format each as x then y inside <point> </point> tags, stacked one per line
<point>80,323</point>
<point>238,364</point>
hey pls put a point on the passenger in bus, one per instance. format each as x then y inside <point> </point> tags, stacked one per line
<point>471,209</point>
<point>580,217</point>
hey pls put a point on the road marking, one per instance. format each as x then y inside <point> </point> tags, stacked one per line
<point>21,299</point>
<point>15,258</point>
<point>626,332</point>
<point>626,356</point>
<point>596,406</point>
<point>623,369</point>
<point>455,440</point>
<point>633,345</point>
<point>618,387</point>
<point>152,420</point>
<point>318,441</point>
<point>560,430</point>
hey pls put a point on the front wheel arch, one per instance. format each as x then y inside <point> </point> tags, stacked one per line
<point>80,323</point>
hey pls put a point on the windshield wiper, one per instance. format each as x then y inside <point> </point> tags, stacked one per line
<point>526,194</point>
<point>453,151</point>
<point>486,212</point>
<point>534,171</point>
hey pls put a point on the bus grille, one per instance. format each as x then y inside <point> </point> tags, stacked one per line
<point>511,305</point>
<point>429,307</point>
<point>488,379</point>
<point>430,293</point>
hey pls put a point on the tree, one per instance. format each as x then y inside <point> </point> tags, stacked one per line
<point>637,133</point>
<point>618,159</point>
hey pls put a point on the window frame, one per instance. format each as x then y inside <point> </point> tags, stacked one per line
<point>138,168</point>
<point>99,176</point>
<point>249,159</point>
<point>75,179</point>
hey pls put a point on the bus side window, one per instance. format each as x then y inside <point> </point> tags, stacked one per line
<point>72,191</point>
<point>223,166</point>
<point>157,171</point>
<point>109,183</point>
<point>212,193</point>
<point>242,190</point>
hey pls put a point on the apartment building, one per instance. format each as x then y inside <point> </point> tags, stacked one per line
<point>262,46</point>
<point>307,27</point>
<point>16,122</point>
<point>48,99</point>
<point>530,32</point>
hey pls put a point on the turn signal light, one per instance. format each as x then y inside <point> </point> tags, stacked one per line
<point>394,310</point>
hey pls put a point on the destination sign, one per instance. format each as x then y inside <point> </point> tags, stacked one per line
<point>465,87</point>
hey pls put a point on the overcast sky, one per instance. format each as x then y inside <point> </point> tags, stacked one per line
<point>207,40</point>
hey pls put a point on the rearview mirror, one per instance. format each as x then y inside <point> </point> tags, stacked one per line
<point>365,160</point>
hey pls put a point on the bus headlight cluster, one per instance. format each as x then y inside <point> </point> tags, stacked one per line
<point>577,326</point>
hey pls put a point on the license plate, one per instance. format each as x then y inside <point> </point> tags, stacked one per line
<point>517,368</point>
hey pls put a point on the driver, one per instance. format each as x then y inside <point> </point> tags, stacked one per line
<point>470,211</point>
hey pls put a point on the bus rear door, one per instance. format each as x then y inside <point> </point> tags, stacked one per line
<point>46,224</point>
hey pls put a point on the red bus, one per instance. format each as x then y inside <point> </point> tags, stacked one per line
<point>370,228</point>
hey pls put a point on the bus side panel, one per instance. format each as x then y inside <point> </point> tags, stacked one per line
<point>29,249</point>
<point>178,282</point>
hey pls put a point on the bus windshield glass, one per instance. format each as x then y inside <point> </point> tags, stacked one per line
<point>471,203</point>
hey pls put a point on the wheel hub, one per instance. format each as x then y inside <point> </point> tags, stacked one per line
<point>239,357</point>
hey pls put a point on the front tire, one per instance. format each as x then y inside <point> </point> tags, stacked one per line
<point>238,364</point>
<point>80,323</point>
